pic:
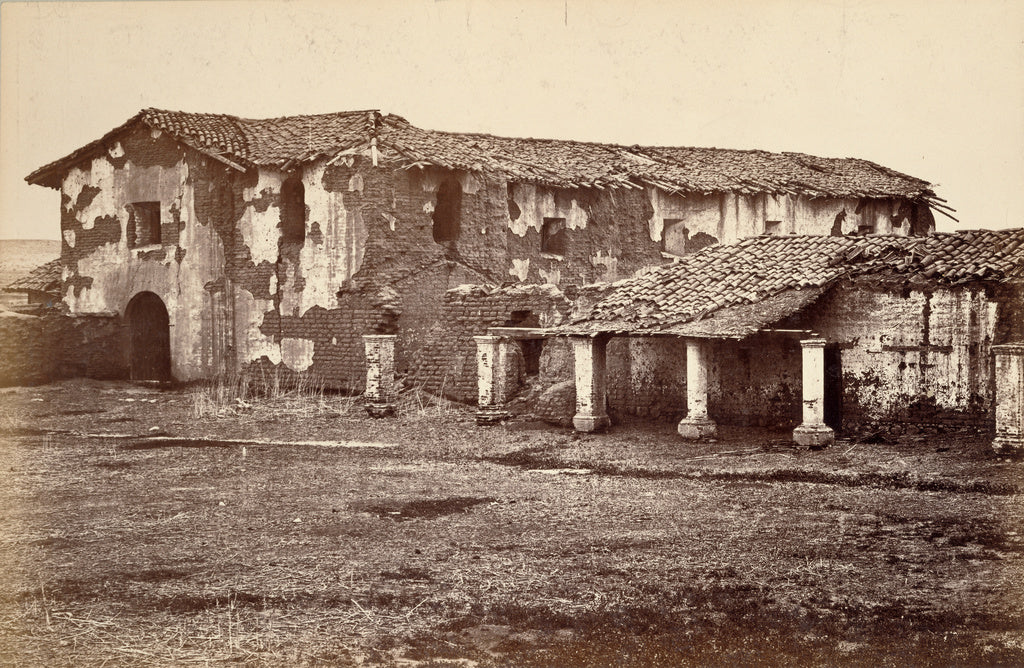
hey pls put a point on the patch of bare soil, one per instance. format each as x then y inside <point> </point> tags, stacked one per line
<point>240,533</point>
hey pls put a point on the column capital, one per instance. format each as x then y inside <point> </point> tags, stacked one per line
<point>488,338</point>
<point>1008,349</point>
<point>813,343</point>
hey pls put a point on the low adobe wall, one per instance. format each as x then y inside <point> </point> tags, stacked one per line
<point>39,349</point>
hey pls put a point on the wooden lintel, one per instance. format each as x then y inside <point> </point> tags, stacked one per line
<point>521,332</point>
<point>792,332</point>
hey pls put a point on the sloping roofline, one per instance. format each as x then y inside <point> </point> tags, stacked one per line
<point>720,290</point>
<point>292,140</point>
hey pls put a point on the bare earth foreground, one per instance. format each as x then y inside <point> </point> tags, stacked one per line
<point>295,531</point>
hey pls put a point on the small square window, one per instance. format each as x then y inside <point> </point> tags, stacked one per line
<point>553,236</point>
<point>865,229</point>
<point>773,227</point>
<point>143,224</point>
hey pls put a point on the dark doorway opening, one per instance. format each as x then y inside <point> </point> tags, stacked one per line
<point>531,348</point>
<point>149,338</point>
<point>293,211</point>
<point>833,408</point>
<point>447,211</point>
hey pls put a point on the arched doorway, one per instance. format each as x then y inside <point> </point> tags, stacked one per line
<point>149,338</point>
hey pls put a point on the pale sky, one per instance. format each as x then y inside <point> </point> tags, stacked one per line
<point>931,88</point>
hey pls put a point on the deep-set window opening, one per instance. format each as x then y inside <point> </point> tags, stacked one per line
<point>447,211</point>
<point>293,211</point>
<point>143,224</point>
<point>553,236</point>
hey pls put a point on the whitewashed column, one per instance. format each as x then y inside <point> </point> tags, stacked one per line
<point>1009,370</point>
<point>591,392</point>
<point>697,424</point>
<point>380,373</point>
<point>492,378</point>
<point>814,432</point>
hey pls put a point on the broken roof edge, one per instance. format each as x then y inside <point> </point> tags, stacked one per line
<point>42,175</point>
<point>43,278</point>
<point>533,170</point>
<point>924,189</point>
<point>47,175</point>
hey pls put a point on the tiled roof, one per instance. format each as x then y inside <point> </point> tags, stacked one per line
<point>769,273</point>
<point>705,170</point>
<point>278,142</point>
<point>44,278</point>
<point>290,140</point>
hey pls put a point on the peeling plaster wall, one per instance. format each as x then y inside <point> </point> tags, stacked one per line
<point>917,355</point>
<point>536,203</point>
<point>729,217</point>
<point>606,234</point>
<point>369,231</point>
<point>756,382</point>
<point>101,273</point>
<point>241,296</point>
<point>647,377</point>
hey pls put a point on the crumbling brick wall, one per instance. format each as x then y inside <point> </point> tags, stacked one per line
<point>383,219</point>
<point>448,362</point>
<point>40,349</point>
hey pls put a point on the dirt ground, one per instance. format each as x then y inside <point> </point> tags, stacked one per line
<point>145,526</point>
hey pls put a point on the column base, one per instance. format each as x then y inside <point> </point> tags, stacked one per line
<point>814,436</point>
<point>588,423</point>
<point>490,415</point>
<point>697,428</point>
<point>1008,445</point>
<point>379,409</point>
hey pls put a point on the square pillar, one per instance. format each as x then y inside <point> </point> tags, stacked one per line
<point>814,432</point>
<point>697,424</point>
<point>380,373</point>
<point>492,359</point>
<point>591,391</point>
<point>1009,398</point>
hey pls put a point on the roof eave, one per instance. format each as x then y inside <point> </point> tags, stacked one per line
<point>49,174</point>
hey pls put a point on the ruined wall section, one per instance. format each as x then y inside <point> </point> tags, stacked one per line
<point>606,234</point>
<point>371,242</point>
<point>728,217</point>
<point>449,363</point>
<point>917,355</point>
<point>102,269</point>
<point>369,264</point>
<point>41,349</point>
